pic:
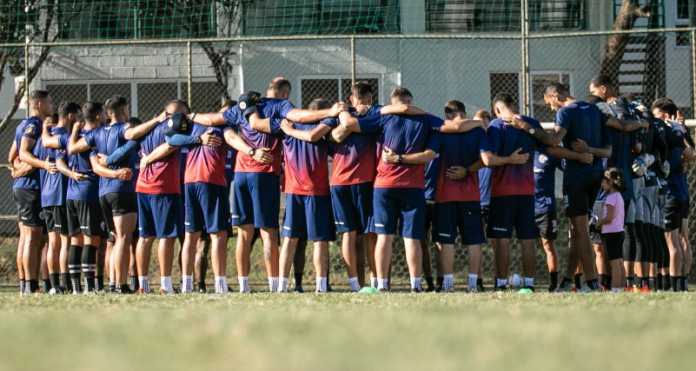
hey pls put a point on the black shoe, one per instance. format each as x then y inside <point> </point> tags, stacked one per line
<point>416,290</point>
<point>438,288</point>
<point>298,289</point>
<point>383,291</point>
<point>202,290</point>
<point>480,288</point>
<point>552,288</point>
<point>500,288</point>
<point>125,289</point>
<point>328,288</point>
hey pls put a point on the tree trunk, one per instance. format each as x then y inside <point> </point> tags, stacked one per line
<point>616,44</point>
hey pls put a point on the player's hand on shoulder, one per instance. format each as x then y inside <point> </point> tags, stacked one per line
<point>162,117</point>
<point>518,158</point>
<point>338,108</point>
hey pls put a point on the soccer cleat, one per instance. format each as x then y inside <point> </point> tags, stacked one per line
<point>438,288</point>
<point>58,290</point>
<point>415,290</point>
<point>450,290</point>
<point>552,288</point>
<point>328,287</point>
<point>298,289</point>
<point>473,290</point>
<point>644,289</point>
<point>567,288</point>
<point>383,291</point>
<point>125,290</point>
<point>480,288</point>
<point>585,289</point>
<point>202,290</point>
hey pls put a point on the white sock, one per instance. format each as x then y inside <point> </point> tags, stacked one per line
<point>144,284</point>
<point>283,285</point>
<point>373,282</point>
<point>273,284</point>
<point>529,282</point>
<point>354,285</point>
<point>244,285</point>
<point>383,284</point>
<point>221,285</point>
<point>166,284</point>
<point>449,281</point>
<point>500,282</point>
<point>321,284</point>
<point>186,283</point>
<point>416,283</point>
<point>617,289</point>
<point>472,280</point>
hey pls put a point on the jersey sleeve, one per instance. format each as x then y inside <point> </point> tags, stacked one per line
<point>180,140</point>
<point>90,139</point>
<point>434,142</point>
<point>371,124</point>
<point>233,116</point>
<point>563,119</point>
<point>275,125</point>
<point>63,140</point>
<point>62,155</point>
<point>32,131</point>
<point>330,122</point>
<point>435,123</point>
<point>284,108</point>
<point>123,152</point>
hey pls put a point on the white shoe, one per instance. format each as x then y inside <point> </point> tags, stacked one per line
<point>450,290</point>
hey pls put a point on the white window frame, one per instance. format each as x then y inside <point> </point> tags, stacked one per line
<point>340,78</point>
<point>133,87</point>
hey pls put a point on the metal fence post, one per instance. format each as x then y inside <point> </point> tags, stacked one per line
<point>188,73</point>
<point>26,78</point>
<point>352,60</point>
<point>693,70</point>
<point>525,106</point>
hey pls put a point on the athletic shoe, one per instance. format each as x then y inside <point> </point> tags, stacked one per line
<point>125,290</point>
<point>552,288</point>
<point>628,289</point>
<point>480,288</point>
<point>383,291</point>
<point>328,287</point>
<point>644,289</point>
<point>603,288</point>
<point>141,291</point>
<point>416,290</point>
<point>202,290</point>
<point>58,290</point>
<point>87,292</point>
<point>564,289</point>
<point>500,288</point>
<point>585,289</point>
<point>450,290</point>
<point>298,289</point>
<point>438,288</point>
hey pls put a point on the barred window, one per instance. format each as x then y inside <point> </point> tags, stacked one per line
<point>511,83</point>
<point>461,16</point>
<point>333,89</point>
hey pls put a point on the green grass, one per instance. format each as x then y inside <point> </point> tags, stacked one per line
<point>349,332</point>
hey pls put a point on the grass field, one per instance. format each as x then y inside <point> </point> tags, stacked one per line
<point>349,332</point>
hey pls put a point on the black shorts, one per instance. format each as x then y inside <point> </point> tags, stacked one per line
<point>29,211</point>
<point>117,204</point>
<point>675,211</point>
<point>579,197</point>
<point>512,212</point>
<point>85,218</point>
<point>56,219</point>
<point>485,212</point>
<point>613,245</point>
<point>547,224</point>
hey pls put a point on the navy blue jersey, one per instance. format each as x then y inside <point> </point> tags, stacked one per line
<point>84,190</point>
<point>31,129</point>
<point>622,158</point>
<point>585,121</point>
<point>106,140</point>
<point>677,187</point>
<point>545,167</point>
<point>53,186</point>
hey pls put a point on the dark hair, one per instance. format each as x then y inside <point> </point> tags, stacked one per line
<point>665,105</point>
<point>602,80</point>
<point>555,87</point>
<point>482,113</point>
<point>360,89</point>
<point>37,95</point>
<point>229,104</point>
<point>54,117</point>
<point>90,110</point>
<point>455,106</point>
<point>630,97</point>
<point>319,104</point>
<point>280,84</point>
<point>115,103</point>
<point>178,102</point>
<point>616,177</point>
<point>505,99</point>
<point>66,108</point>
<point>135,121</point>
<point>401,93</point>
<point>593,99</point>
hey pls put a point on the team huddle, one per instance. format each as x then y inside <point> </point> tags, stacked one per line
<point>95,187</point>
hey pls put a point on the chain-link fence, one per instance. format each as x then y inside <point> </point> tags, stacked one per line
<point>440,50</point>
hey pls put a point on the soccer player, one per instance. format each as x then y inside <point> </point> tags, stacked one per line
<point>308,197</point>
<point>352,175</point>
<point>677,190</point>
<point>457,201</point>
<point>545,166</point>
<point>512,191</point>
<point>116,195</point>
<point>55,188</point>
<point>256,185</point>
<point>624,145</point>
<point>399,188</point>
<point>575,121</point>
<point>26,188</point>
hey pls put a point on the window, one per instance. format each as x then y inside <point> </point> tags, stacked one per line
<point>146,98</point>
<point>317,17</point>
<point>511,83</point>
<point>460,16</point>
<point>683,39</point>
<point>333,89</point>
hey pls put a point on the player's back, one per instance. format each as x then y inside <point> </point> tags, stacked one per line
<point>85,190</point>
<point>157,177</point>
<point>306,164</point>
<point>107,139</point>
<point>354,159</point>
<point>462,150</point>
<point>54,186</point>
<point>582,121</point>
<point>206,164</point>
<point>512,179</point>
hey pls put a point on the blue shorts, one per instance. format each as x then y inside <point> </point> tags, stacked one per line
<point>308,217</point>
<point>508,212</point>
<point>159,215</point>
<point>390,204</point>
<point>207,208</point>
<point>256,200</point>
<point>462,216</point>
<point>352,207</point>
